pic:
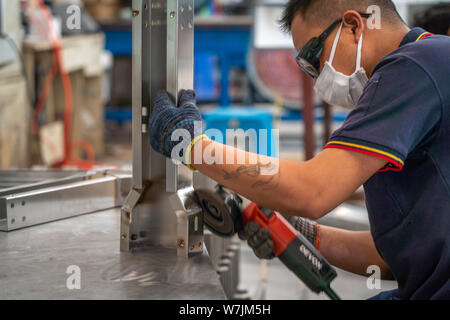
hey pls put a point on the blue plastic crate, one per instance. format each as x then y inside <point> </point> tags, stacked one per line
<point>205,82</point>
<point>256,119</point>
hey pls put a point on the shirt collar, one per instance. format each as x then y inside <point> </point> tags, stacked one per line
<point>412,36</point>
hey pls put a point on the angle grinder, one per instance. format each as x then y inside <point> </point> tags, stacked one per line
<point>225,214</point>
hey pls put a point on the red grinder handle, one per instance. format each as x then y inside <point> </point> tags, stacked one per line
<point>282,232</point>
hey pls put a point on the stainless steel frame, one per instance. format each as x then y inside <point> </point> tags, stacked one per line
<point>159,210</point>
<point>35,197</point>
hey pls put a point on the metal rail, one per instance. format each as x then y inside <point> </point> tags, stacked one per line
<point>36,197</point>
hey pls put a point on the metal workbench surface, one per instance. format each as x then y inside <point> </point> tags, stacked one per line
<point>35,263</point>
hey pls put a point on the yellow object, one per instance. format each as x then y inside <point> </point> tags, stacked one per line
<point>188,151</point>
<point>421,36</point>
<point>369,149</point>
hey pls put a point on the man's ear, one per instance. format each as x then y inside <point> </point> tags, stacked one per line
<point>353,20</point>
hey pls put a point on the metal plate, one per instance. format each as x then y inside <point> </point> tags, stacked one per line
<point>34,262</point>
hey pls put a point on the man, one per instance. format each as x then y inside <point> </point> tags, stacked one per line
<point>395,142</point>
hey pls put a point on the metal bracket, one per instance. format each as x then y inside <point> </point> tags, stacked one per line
<point>189,222</point>
<point>130,203</point>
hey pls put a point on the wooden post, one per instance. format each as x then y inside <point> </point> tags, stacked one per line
<point>308,117</point>
<point>327,122</point>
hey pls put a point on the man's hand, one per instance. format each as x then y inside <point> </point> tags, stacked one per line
<point>259,239</point>
<point>166,119</point>
<point>352,251</point>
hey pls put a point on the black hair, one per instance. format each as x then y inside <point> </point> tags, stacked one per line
<point>326,9</point>
<point>436,19</point>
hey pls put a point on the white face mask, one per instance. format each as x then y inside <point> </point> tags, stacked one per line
<point>336,88</point>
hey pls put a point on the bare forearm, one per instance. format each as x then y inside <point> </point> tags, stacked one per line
<point>270,182</point>
<point>351,251</point>
<point>309,189</point>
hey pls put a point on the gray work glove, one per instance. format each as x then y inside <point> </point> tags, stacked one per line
<point>259,239</point>
<point>166,118</point>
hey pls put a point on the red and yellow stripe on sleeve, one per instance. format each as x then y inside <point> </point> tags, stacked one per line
<point>394,162</point>
<point>424,35</point>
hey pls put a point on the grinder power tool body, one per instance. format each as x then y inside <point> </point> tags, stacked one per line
<point>225,214</point>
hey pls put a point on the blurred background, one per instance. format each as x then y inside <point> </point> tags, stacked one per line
<point>65,89</point>
<point>65,78</point>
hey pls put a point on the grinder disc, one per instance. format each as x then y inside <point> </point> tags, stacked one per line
<point>222,213</point>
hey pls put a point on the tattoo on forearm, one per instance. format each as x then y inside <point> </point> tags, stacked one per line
<point>265,181</point>
<point>269,184</point>
<point>252,171</point>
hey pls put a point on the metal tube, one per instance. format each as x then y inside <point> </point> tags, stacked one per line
<point>180,63</point>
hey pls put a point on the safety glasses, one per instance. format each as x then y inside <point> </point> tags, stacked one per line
<point>309,56</point>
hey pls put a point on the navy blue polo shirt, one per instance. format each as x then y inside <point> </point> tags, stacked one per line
<point>403,117</point>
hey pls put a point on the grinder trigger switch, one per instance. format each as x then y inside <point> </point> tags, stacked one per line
<point>267,212</point>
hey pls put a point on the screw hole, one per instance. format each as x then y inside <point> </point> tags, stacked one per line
<point>23,203</point>
<point>12,205</point>
<point>24,218</point>
<point>13,221</point>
